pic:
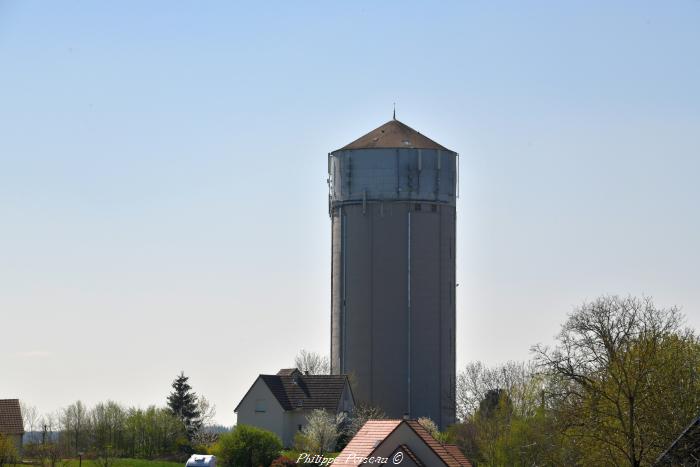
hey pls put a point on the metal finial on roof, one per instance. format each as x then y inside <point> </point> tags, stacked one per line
<point>394,110</point>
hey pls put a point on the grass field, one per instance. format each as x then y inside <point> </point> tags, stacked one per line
<point>125,463</point>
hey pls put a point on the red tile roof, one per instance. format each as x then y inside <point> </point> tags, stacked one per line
<point>434,444</point>
<point>375,432</point>
<point>11,417</point>
<point>457,453</point>
<point>366,441</point>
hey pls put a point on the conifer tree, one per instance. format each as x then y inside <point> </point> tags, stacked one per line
<point>183,404</point>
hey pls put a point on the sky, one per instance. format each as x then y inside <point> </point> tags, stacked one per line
<point>163,197</point>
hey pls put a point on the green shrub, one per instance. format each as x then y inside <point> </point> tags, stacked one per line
<point>8,452</point>
<point>202,449</point>
<point>247,446</point>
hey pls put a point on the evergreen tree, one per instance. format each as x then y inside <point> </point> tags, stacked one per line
<point>183,404</point>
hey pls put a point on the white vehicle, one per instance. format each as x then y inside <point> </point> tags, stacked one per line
<point>201,460</point>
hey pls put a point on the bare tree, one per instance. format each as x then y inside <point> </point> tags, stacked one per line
<point>49,425</point>
<point>312,363</point>
<point>627,377</point>
<point>207,410</point>
<point>30,418</point>
<point>518,379</point>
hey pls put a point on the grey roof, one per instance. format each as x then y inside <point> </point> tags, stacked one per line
<point>394,134</point>
<point>297,391</point>
<point>11,417</point>
<point>293,390</point>
<point>684,448</point>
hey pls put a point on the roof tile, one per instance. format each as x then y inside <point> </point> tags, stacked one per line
<point>11,417</point>
<point>297,391</point>
<point>366,440</point>
<point>459,456</point>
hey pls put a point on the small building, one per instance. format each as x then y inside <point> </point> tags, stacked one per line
<point>280,403</point>
<point>11,424</point>
<point>684,450</point>
<point>399,442</point>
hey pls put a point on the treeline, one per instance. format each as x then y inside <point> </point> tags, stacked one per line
<point>110,429</point>
<point>621,383</point>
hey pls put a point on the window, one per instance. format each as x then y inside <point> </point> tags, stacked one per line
<point>417,207</point>
<point>433,207</point>
<point>260,406</point>
<point>299,427</point>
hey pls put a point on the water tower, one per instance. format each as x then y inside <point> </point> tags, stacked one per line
<point>392,206</point>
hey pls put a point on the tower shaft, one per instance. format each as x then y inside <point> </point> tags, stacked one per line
<point>393,275</point>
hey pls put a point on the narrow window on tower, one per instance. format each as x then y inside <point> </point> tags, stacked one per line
<point>433,207</point>
<point>417,207</point>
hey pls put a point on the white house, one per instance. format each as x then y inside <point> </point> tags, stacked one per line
<point>280,403</point>
<point>399,442</point>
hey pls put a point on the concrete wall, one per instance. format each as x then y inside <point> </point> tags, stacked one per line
<point>292,421</point>
<point>272,419</point>
<point>393,278</point>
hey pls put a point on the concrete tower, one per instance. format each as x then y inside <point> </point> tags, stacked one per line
<point>392,206</point>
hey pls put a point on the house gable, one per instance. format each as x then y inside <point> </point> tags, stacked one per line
<point>347,400</point>
<point>259,390</point>
<point>405,435</point>
<point>379,440</point>
<point>260,408</point>
<point>405,456</point>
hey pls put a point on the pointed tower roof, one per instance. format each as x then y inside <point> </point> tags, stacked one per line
<point>394,134</point>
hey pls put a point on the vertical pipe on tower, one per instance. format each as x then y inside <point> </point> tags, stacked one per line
<point>409,310</point>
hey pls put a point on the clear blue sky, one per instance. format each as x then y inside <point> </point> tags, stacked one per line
<point>162,175</point>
